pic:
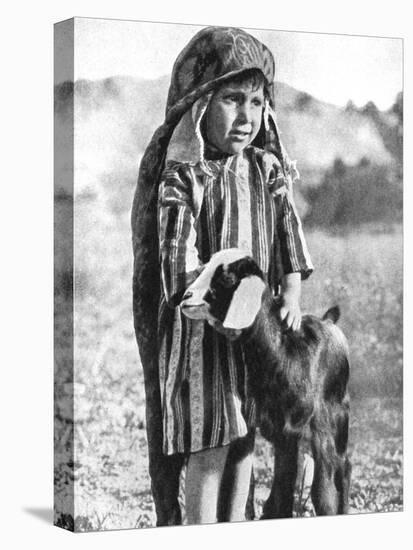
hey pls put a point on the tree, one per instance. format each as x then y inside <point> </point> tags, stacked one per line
<point>353,195</point>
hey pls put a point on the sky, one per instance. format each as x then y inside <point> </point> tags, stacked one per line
<point>333,68</point>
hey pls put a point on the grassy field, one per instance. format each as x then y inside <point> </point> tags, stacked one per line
<point>361,271</point>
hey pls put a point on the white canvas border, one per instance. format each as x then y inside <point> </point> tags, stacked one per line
<point>26,219</point>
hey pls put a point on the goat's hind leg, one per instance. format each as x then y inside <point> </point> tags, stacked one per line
<point>281,500</point>
<point>343,470</point>
<point>332,470</point>
<point>343,476</point>
<point>323,491</point>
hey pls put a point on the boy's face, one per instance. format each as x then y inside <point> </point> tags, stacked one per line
<point>234,117</point>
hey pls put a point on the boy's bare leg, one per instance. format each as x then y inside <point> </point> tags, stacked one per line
<point>236,481</point>
<point>203,479</point>
<point>238,498</point>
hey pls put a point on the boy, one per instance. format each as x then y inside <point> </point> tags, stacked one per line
<point>227,183</point>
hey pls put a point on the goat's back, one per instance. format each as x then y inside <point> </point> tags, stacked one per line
<point>297,373</point>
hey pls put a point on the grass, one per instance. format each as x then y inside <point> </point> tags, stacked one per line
<point>361,271</point>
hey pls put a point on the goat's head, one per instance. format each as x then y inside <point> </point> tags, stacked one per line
<point>229,290</point>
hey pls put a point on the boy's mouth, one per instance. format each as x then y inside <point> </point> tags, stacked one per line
<point>238,135</point>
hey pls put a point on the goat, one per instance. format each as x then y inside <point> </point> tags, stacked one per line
<point>297,378</point>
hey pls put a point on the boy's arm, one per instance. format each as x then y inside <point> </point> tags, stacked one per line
<point>293,247</point>
<point>295,258</point>
<point>180,263</point>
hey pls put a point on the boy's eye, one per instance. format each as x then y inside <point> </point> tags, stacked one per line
<point>232,98</point>
<point>235,98</point>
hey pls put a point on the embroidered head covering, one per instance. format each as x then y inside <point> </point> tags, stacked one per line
<point>214,55</point>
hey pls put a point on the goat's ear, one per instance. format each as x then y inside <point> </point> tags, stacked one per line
<point>333,314</point>
<point>245,303</point>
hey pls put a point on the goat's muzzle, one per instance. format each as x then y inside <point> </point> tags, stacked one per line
<point>194,306</point>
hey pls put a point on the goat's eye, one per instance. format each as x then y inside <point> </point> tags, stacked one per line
<point>210,295</point>
<point>228,280</point>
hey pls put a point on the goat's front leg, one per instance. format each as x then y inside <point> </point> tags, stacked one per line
<point>281,500</point>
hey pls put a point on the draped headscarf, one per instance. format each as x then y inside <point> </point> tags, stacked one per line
<point>214,55</point>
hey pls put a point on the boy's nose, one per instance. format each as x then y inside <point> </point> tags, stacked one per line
<point>244,112</point>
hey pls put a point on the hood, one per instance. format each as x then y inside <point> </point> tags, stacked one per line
<point>213,55</point>
<point>186,143</point>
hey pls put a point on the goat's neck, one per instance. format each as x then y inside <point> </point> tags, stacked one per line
<point>266,329</point>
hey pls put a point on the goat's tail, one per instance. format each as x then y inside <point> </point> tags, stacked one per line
<point>333,314</point>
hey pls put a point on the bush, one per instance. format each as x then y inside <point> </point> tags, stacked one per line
<point>355,195</point>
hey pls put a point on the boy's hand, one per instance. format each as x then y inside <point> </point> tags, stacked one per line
<point>290,312</point>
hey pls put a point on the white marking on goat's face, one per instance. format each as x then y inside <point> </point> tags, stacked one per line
<point>193,303</point>
<point>221,294</point>
<point>245,303</point>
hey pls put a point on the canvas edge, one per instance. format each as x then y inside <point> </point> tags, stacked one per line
<point>63,507</point>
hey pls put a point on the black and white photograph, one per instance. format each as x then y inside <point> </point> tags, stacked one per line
<point>228,274</point>
<point>205,275</point>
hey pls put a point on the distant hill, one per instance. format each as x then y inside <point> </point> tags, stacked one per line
<point>115,119</point>
<point>316,133</point>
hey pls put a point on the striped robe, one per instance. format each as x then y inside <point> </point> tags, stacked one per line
<point>243,201</point>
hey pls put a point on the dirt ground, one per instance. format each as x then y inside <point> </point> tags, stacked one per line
<point>112,482</point>
<point>362,273</point>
